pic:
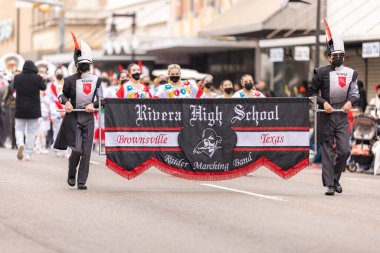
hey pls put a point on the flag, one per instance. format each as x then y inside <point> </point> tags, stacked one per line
<point>213,139</point>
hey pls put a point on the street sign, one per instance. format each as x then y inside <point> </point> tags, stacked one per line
<point>276,54</point>
<point>302,53</point>
<point>371,49</point>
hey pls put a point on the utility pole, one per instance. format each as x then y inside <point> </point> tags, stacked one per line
<point>18,31</point>
<point>317,32</point>
<point>133,16</point>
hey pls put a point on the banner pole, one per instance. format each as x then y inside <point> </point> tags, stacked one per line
<point>337,110</point>
<point>100,127</point>
<point>315,126</point>
<point>75,110</point>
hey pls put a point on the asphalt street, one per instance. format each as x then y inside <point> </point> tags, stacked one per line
<point>156,212</point>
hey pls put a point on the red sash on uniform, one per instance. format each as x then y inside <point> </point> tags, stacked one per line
<point>55,92</point>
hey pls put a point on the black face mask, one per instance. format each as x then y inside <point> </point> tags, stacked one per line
<point>84,67</point>
<point>337,61</point>
<point>175,79</point>
<point>59,77</point>
<point>208,85</point>
<point>104,79</point>
<point>229,90</point>
<point>163,82</point>
<point>123,81</point>
<point>136,76</point>
<point>248,86</point>
<point>147,83</point>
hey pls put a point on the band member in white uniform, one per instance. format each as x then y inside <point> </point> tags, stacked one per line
<point>227,88</point>
<point>248,90</point>
<point>176,88</point>
<point>133,88</point>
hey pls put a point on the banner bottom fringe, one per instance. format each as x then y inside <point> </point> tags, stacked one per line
<point>207,176</point>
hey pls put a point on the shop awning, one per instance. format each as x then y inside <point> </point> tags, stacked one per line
<point>264,18</point>
<point>244,17</point>
<point>97,55</point>
<point>355,22</point>
<point>196,45</point>
<point>285,42</point>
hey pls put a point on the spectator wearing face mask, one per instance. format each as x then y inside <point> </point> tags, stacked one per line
<point>176,88</point>
<point>133,88</point>
<point>227,88</point>
<point>206,85</point>
<point>123,78</point>
<point>248,90</point>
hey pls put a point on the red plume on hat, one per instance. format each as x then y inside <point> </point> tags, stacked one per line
<point>77,51</point>
<point>333,41</point>
<point>329,40</point>
<point>377,87</point>
<point>328,31</point>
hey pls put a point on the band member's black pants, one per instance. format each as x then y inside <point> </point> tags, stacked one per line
<point>333,163</point>
<point>81,152</point>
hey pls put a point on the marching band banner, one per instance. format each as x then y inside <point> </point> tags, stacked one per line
<point>207,139</point>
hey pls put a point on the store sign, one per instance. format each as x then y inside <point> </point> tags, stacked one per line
<point>371,49</point>
<point>276,54</point>
<point>302,53</point>
<point>6,29</point>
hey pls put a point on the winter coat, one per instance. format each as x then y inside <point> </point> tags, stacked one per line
<point>28,85</point>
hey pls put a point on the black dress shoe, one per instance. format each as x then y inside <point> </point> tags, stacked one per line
<point>82,187</point>
<point>330,191</point>
<point>338,188</point>
<point>71,181</point>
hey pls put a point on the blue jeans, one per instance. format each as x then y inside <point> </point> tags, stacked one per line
<point>29,127</point>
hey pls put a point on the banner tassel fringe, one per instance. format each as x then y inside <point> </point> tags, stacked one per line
<point>207,176</point>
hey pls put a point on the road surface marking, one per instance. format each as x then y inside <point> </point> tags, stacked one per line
<point>360,179</point>
<point>246,192</point>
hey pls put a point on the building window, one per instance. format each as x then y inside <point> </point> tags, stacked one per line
<point>197,7</point>
<point>211,3</point>
<point>179,9</point>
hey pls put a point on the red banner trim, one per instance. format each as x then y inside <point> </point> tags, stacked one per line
<point>144,128</point>
<point>245,149</point>
<point>270,149</point>
<point>144,149</point>
<point>180,128</point>
<point>295,128</point>
<point>207,176</point>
